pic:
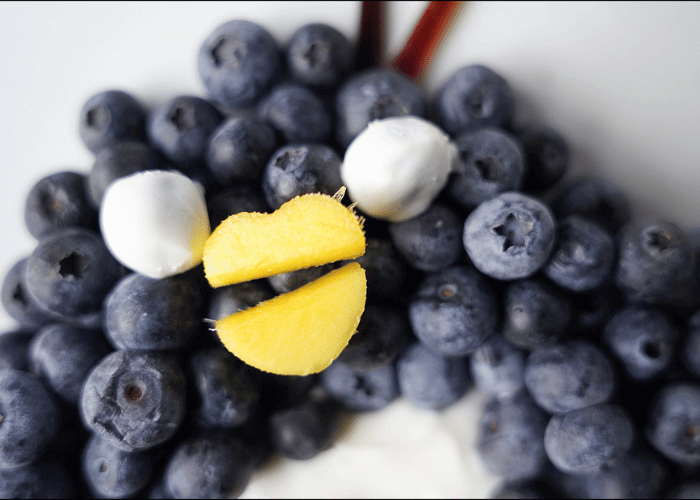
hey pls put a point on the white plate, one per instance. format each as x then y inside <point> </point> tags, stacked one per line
<point>619,80</point>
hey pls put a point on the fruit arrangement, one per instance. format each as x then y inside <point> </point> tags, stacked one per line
<point>469,260</point>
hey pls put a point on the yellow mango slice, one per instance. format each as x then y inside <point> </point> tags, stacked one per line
<point>302,331</point>
<point>309,230</point>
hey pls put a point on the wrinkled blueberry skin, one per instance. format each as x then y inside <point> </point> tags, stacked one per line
<point>569,376</point>
<point>379,337</point>
<point>643,339</point>
<point>233,298</point>
<point>673,427</point>
<point>385,271</point>
<point>58,201</point>
<point>491,161</point>
<point>298,169</point>
<point>238,63</point>
<point>227,394</point>
<point>583,256</point>
<point>211,464</point>
<point>690,354</point>
<point>14,349</point>
<point>40,479</point>
<point>546,156</point>
<point>239,148</point>
<point>454,311</point>
<point>474,96</point>
<point>134,399</point>
<point>148,313</point>
<point>535,314</point>
<point>114,473</point>
<point>374,94</point>
<point>286,282</point>
<point>70,272</point>
<point>509,236</point>
<point>110,117</point>
<point>656,264</point>
<point>429,380</point>
<point>64,355</point>
<point>430,241</point>
<point>319,55</point>
<point>17,301</point>
<point>498,367</point>
<point>233,200</point>
<point>582,441</point>
<point>296,113</point>
<point>30,420</point>
<point>358,389</point>
<point>303,431</point>
<point>180,130</point>
<point>595,198</point>
<point>510,438</point>
<point>118,160</point>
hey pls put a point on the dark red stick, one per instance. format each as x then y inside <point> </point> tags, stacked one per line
<point>414,59</point>
<point>370,45</point>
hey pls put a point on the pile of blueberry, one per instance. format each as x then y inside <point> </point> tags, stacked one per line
<point>582,324</point>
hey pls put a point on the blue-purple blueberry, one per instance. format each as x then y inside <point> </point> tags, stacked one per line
<point>110,117</point>
<point>320,56</point>
<point>359,389</point>
<point>18,302</point>
<point>305,430</point>
<point>498,368</point>
<point>297,114</point>
<point>546,156</point>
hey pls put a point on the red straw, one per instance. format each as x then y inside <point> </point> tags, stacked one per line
<point>370,46</point>
<point>414,59</point>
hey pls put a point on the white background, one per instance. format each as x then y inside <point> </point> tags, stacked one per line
<point>619,80</point>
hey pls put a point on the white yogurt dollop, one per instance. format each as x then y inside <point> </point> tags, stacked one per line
<point>155,222</point>
<point>397,166</point>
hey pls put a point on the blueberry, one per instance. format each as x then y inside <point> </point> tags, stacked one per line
<point>510,438</point>
<point>239,148</point>
<point>319,55</point>
<point>522,490</point>
<point>238,63</point>
<point>286,282</point>
<point>283,391</point>
<point>643,339</point>
<point>656,264</point>
<point>569,376</point>
<point>211,464</point>
<point>690,354</point>
<point>18,302</point>
<point>384,270</point>
<point>380,335</point>
<point>430,241</point>
<point>491,161</point>
<point>303,431</point>
<point>595,198</point>
<point>583,256</point>
<point>134,399</point>
<point>14,349</point>
<point>110,117</point>
<point>582,441</point>
<point>374,94</point>
<point>233,200</point>
<point>58,201</point>
<point>592,310</point>
<point>118,160</point>
<point>70,272</point>
<point>673,426</point>
<point>360,389</point>
<point>149,313</point>
<point>64,356</point>
<point>114,473</point>
<point>509,236</point>
<point>429,380</point>
<point>474,96</point>
<point>546,155</point>
<point>181,129</point>
<point>29,418</point>
<point>535,314</point>
<point>227,394</point>
<point>233,298</point>
<point>296,113</point>
<point>40,479</point>
<point>298,169</point>
<point>498,367</point>
<point>454,311</point>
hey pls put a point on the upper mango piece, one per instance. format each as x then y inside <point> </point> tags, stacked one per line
<point>309,230</point>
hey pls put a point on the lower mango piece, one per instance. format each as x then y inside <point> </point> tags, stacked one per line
<point>300,332</point>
